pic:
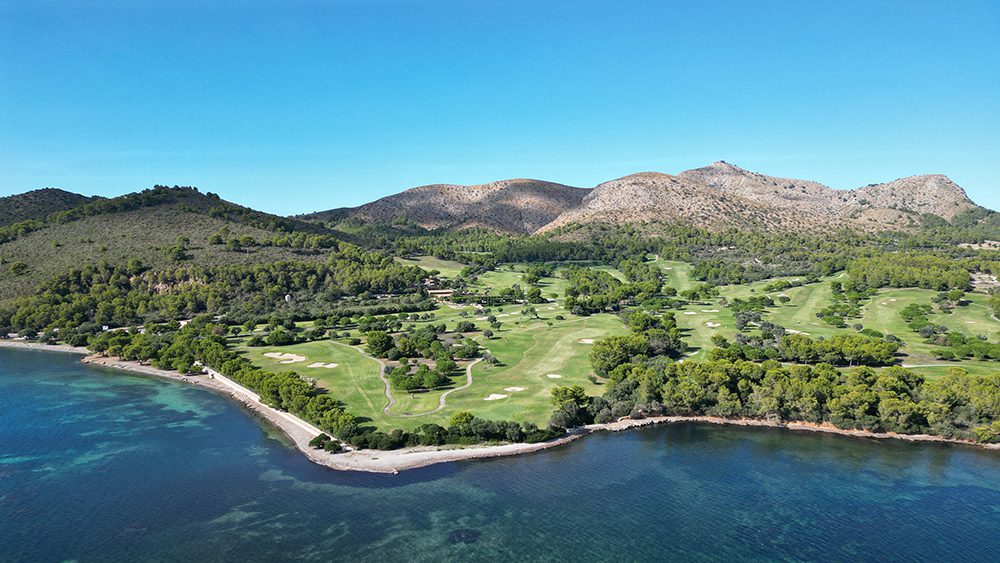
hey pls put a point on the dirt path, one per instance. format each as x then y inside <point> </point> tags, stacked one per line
<point>391,401</point>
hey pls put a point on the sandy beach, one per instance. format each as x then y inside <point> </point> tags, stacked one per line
<point>394,461</point>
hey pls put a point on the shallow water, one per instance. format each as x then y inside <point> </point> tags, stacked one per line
<point>97,465</point>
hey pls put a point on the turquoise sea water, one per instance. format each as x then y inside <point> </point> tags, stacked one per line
<point>97,465</point>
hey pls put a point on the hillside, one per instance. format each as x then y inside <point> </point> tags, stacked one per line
<point>519,206</point>
<point>37,204</point>
<point>723,195</point>
<point>159,227</point>
<point>717,196</point>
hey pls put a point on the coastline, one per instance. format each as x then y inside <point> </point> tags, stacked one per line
<point>825,428</point>
<point>394,461</point>
<point>301,432</point>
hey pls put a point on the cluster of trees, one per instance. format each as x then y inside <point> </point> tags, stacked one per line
<point>929,271</point>
<point>129,294</point>
<point>847,301</point>
<point>593,291</point>
<point>503,296</point>
<point>424,342</point>
<point>721,272</point>
<point>841,349</point>
<point>700,292</point>
<point>755,303</point>
<point>954,345</point>
<point>285,335</point>
<point>325,442</point>
<point>404,378</point>
<point>782,285</point>
<point>956,405</point>
<point>463,428</point>
<point>534,273</point>
<point>650,337</point>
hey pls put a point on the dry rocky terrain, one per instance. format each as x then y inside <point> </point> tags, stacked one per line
<point>514,206</point>
<point>717,196</point>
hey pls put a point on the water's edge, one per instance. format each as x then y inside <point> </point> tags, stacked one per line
<point>394,461</point>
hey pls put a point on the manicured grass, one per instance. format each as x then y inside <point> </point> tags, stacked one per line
<point>613,271</point>
<point>530,353</point>
<point>678,273</point>
<point>530,349</point>
<point>881,313</point>
<point>448,268</point>
<point>975,318</point>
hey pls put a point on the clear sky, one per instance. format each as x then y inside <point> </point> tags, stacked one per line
<point>292,106</point>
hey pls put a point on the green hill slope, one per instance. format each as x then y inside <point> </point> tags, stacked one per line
<point>37,204</point>
<point>160,227</point>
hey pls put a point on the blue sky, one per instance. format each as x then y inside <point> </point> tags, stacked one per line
<point>299,106</point>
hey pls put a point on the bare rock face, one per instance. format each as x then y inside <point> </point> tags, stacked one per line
<point>713,197</point>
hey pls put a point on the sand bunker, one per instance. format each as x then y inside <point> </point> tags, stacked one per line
<point>513,389</point>
<point>893,299</point>
<point>321,365</point>
<point>494,397</point>
<point>713,325</point>
<point>709,310</point>
<point>970,322</point>
<point>668,268</point>
<point>793,331</point>
<point>554,376</point>
<point>586,341</point>
<point>481,318</point>
<point>285,358</point>
<point>690,313</point>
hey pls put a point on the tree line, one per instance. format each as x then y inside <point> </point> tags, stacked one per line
<point>956,405</point>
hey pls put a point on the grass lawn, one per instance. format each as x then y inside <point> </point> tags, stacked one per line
<point>678,273</point>
<point>531,353</point>
<point>531,349</point>
<point>975,318</point>
<point>448,268</point>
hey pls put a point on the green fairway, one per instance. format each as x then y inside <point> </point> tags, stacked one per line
<point>354,381</point>
<point>534,349</point>
<point>531,354</point>
<point>447,268</point>
<point>973,319</point>
<point>678,273</point>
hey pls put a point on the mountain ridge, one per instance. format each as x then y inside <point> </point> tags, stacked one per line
<point>717,196</point>
<point>720,195</point>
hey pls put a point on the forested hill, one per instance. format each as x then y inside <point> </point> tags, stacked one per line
<point>37,204</point>
<point>161,227</point>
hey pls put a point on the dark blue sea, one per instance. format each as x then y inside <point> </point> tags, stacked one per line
<point>98,465</point>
